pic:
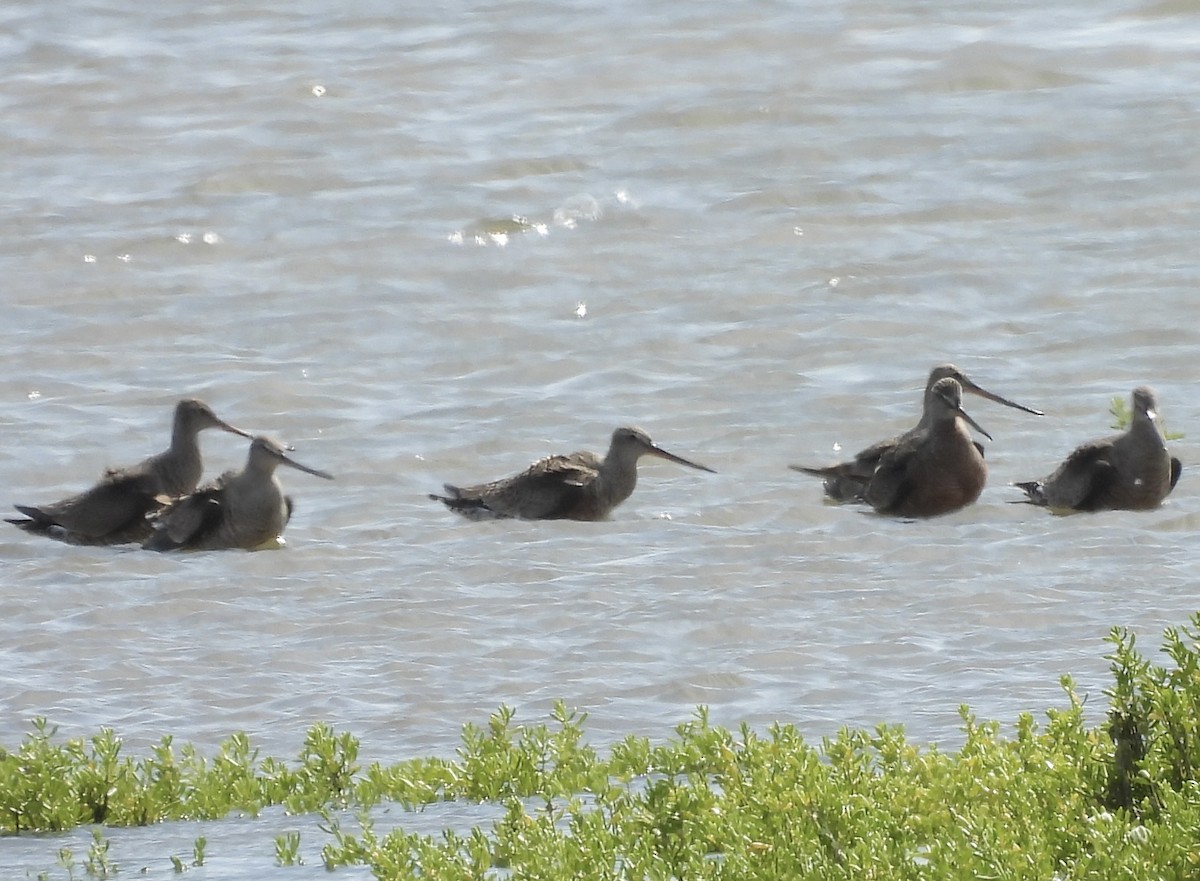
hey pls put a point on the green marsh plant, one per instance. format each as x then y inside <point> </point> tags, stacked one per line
<point>198,847</point>
<point>1056,799</point>
<point>287,849</point>
<point>1118,408</point>
<point>97,864</point>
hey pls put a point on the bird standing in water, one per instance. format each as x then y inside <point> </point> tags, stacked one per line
<point>936,469</point>
<point>1130,471</point>
<point>847,481</point>
<point>578,486</point>
<point>241,509</point>
<point>114,510</point>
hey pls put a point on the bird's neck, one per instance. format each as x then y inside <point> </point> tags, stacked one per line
<point>259,469</point>
<point>1149,428</point>
<point>183,439</point>
<point>179,469</point>
<point>618,475</point>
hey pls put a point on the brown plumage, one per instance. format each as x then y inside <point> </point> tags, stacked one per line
<point>847,481</point>
<point>114,510</point>
<point>1130,471</point>
<point>240,509</point>
<point>935,469</point>
<point>578,486</point>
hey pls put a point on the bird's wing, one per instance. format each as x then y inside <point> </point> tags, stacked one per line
<point>188,518</point>
<point>184,521</point>
<point>867,460</point>
<point>891,482</point>
<point>121,499</point>
<point>545,490</point>
<point>1083,478</point>
<point>860,468</point>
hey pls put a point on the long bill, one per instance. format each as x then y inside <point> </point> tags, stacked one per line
<point>656,450</point>
<point>225,426</point>
<point>316,472</point>
<point>974,389</point>
<point>975,425</point>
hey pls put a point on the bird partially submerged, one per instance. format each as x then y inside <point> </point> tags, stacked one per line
<point>1132,470</point>
<point>114,510</point>
<point>935,469</point>
<point>847,481</point>
<point>577,486</point>
<point>241,509</point>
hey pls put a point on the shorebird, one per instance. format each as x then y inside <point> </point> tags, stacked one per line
<point>847,481</point>
<point>1131,471</point>
<point>578,486</point>
<point>114,510</point>
<point>240,509</point>
<point>935,469</point>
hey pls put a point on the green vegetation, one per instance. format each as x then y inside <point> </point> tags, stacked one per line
<point>287,849</point>
<point>1055,800</point>
<point>197,857</point>
<point>1121,414</point>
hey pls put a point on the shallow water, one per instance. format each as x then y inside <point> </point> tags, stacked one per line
<point>751,234</point>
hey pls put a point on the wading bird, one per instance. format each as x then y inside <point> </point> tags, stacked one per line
<point>1130,471</point>
<point>847,481</point>
<point>114,510</point>
<point>241,509</point>
<point>933,470</point>
<point>578,486</point>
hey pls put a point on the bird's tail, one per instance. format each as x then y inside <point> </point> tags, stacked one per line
<point>471,507</point>
<point>1034,494</point>
<point>36,521</point>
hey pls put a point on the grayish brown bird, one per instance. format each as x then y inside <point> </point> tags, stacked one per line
<point>847,481</point>
<point>1131,471</point>
<point>114,510</point>
<point>240,509</point>
<point>935,469</point>
<point>578,486</point>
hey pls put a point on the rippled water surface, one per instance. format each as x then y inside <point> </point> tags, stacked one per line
<point>432,246</point>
